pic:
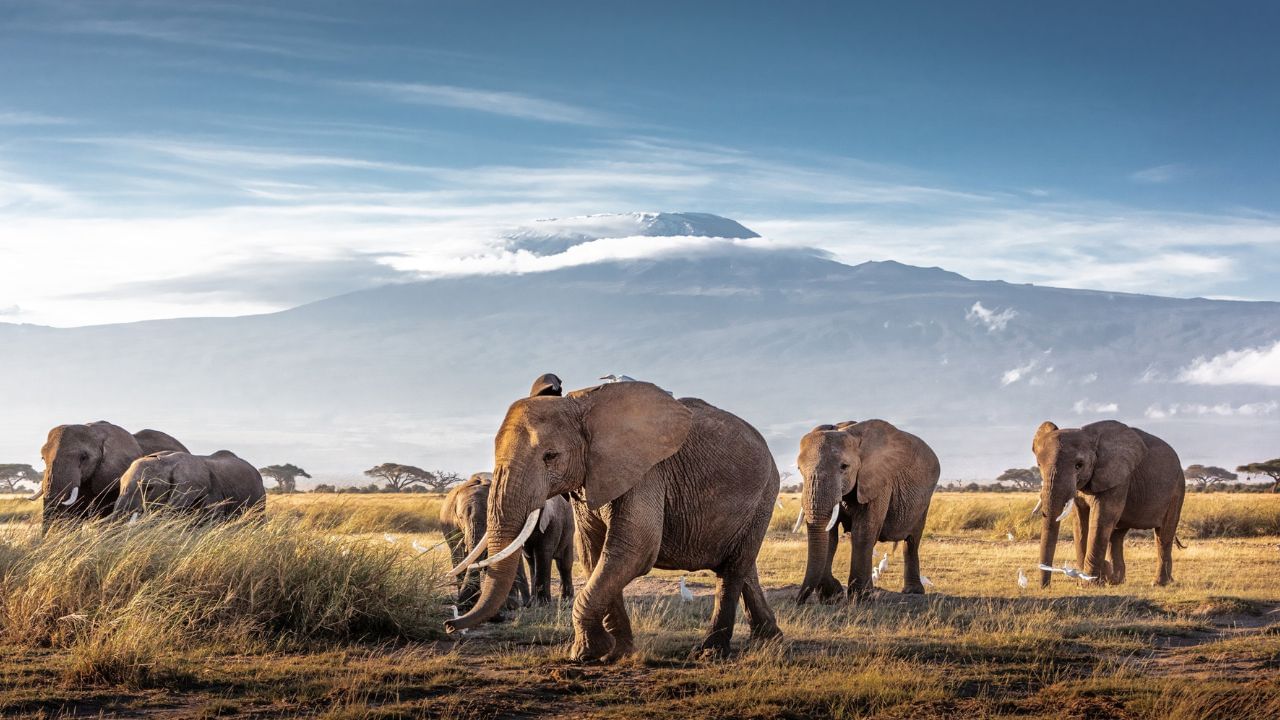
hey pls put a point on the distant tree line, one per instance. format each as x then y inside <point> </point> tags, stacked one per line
<point>388,477</point>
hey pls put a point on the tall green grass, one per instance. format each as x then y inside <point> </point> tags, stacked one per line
<point>122,597</point>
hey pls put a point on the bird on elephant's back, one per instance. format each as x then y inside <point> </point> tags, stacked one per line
<point>221,485</point>
<point>83,465</point>
<point>876,482</point>
<point>655,482</point>
<point>1116,478</point>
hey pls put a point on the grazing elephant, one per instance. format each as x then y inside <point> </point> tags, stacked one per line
<point>1118,478</point>
<point>551,542</point>
<point>877,481</point>
<point>655,481</point>
<point>220,485</point>
<point>83,465</point>
<point>464,522</point>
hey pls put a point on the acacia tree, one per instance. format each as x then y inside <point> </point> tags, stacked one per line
<point>403,478</point>
<point>1270,468</point>
<point>1021,478</point>
<point>12,475</point>
<point>286,476</point>
<point>1206,475</point>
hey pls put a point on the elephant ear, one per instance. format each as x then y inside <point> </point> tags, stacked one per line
<point>630,427</point>
<point>1118,452</point>
<point>1042,432</point>
<point>192,482</point>
<point>119,450</point>
<point>881,455</point>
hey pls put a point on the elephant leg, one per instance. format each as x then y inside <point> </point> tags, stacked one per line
<point>1117,557</point>
<point>861,550</point>
<point>1102,521</point>
<point>830,588</point>
<point>1165,535</point>
<point>1080,534</point>
<point>565,565</point>
<point>911,584</point>
<point>542,576</point>
<point>764,625</point>
<point>629,551</point>
<point>618,625</point>
<point>728,590</point>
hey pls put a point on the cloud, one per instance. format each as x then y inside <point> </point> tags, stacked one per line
<point>1160,174</point>
<point>1089,378</point>
<point>27,118</point>
<point>494,102</point>
<point>1253,366</point>
<point>991,319</point>
<point>1084,406</point>
<point>1162,412</point>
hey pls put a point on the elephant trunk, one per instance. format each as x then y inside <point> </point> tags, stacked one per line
<point>498,579</point>
<point>1048,544</point>
<point>61,484</point>
<point>816,568</point>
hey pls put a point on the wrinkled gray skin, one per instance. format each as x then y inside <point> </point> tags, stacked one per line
<point>655,482</point>
<point>883,478</point>
<point>220,485</point>
<point>92,457</point>
<point>464,519</point>
<point>1120,478</point>
<point>551,543</point>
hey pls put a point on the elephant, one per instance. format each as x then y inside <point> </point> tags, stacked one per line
<point>83,465</point>
<point>655,482</point>
<point>876,481</point>
<point>1118,478</point>
<point>547,384</point>
<point>551,543</point>
<point>463,520</point>
<point>221,485</point>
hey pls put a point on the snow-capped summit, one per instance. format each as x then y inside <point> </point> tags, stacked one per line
<point>555,235</point>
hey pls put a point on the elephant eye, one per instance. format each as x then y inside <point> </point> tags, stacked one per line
<point>1079,464</point>
<point>844,466</point>
<point>548,457</point>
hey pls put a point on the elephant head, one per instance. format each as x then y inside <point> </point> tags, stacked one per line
<point>596,444</point>
<point>547,384</point>
<point>171,480</point>
<point>465,513</point>
<point>1096,458</point>
<point>83,464</point>
<point>834,462</point>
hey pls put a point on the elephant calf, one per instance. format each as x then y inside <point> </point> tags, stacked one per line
<point>221,485</point>
<point>464,522</point>
<point>551,542</point>
<point>877,481</point>
<point>1117,478</point>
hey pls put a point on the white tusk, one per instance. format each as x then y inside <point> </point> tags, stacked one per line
<point>529,524</point>
<point>37,495</point>
<point>476,552</point>
<point>799,522</point>
<point>1065,511</point>
<point>1036,509</point>
<point>75,493</point>
<point>835,518</point>
<point>778,503</point>
<point>133,518</point>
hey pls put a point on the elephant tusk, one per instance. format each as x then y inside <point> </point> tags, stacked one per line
<point>36,496</point>
<point>799,522</point>
<point>529,524</point>
<point>1065,512</point>
<point>476,552</point>
<point>1036,509</point>
<point>75,493</point>
<point>835,518</point>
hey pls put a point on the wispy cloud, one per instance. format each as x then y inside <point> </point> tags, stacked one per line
<point>993,320</point>
<point>1173,410</point>
<point>1087,407</point>
<point>16,117</point>
<point>1161,174</point>
<point>1252,366</point>
<point>494,102</point>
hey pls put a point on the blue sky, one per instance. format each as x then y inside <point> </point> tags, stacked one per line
<point>267,154</point>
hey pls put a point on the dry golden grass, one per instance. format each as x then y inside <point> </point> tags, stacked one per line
<point>976,646</point>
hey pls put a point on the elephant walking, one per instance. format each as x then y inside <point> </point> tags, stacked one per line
<point>83,465</point>
<point>876,481</point>
<point>464,522</point>
<point>220,485</point>
<point>655,482</point>
<point>1117,478</point>
<point>551,543</point>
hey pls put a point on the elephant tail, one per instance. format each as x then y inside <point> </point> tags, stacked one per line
<point>1178,542</point>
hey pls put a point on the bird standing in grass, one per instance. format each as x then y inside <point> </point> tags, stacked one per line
<point>1022,579</point>
<point>685,593</point>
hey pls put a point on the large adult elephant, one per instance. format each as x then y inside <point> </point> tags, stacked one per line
<point>874,479</point>
<point>1118,478</point>
<point>655,482</point>
<point>83,465</point>
<point>221,485</point>
<point>464,518</point>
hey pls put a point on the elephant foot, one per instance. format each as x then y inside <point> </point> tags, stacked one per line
<point>1161,582</point>
<point>917,589</point>
<point>591,645</point>
<point>707,650</point>
<point>622,647</point>
<point>765,632</point>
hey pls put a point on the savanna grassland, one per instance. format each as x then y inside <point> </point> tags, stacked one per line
<point>329,610</point>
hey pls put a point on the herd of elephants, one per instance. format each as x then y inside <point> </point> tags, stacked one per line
<point>643,480</point>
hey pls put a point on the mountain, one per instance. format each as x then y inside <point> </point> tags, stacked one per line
<point>788,338</point>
